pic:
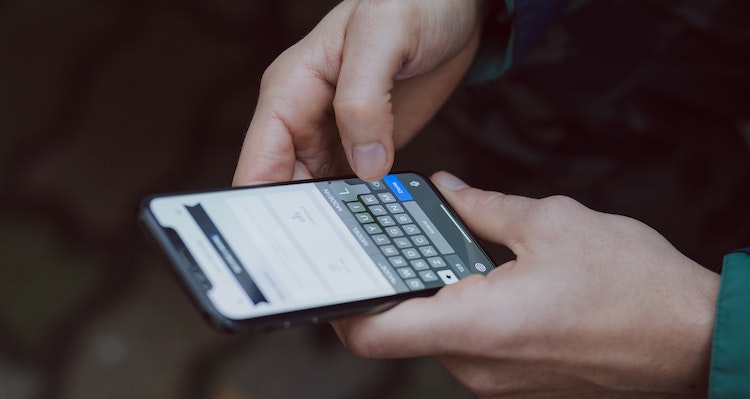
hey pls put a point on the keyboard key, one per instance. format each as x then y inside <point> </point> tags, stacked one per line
<point>411,229</point>
<point>378,185</point>
<point>380,239</point>
<point>420,240</point>
<point>428,251</point>
<point>447,276</point>
<point>429,228</point>
<point>355,206</point>
<point>364,217</point>
<point>402,242</point>
<point>428,275</point>
<point>372,228</point>
<point>411,253</point>
<point>378,210</point>
<point>406,272</point>
<point>402,218</point>
<point>397,261</point>
<point>458,266</point>
<point>386,221</point>
<point>387,197</point>
<point>394,208</point>
<point>389,250</point>
<point>437,262</point>
<point>414,283</point>
<point>348,192</point>
<point>420,264</point>
<point>394,231</point>
<point>369,199</point>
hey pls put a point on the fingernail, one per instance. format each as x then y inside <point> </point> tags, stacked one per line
<point>449,181</point>
<point>369,160</point>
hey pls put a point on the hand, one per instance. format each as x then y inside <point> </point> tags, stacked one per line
<point>593,305</point>
<point>373,72</point>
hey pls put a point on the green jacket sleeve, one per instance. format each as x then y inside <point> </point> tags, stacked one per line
<point>729,377</point>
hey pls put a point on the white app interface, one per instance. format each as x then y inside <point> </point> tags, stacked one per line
<point>273,249</point>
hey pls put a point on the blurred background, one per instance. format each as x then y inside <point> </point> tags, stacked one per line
<point>638,108</point>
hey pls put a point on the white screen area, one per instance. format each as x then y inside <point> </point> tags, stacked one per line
<point>289,241</point>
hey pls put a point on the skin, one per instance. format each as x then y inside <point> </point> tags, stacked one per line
<point>362,83</point>
<point>594,305</point>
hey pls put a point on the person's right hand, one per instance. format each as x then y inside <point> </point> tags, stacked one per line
<point>594,306</point>
<point>368,77</point>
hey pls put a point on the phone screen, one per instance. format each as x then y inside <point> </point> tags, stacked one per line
<point>269,250</point>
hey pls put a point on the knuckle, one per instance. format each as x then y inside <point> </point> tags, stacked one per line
<point>385,8</point>
<point>352,108</point>
<point>487,199</point>
<point>271,71</point>
<point>282,66</point>
<point>361,120</point>
<point>556,209</point>
<point>479,380</point>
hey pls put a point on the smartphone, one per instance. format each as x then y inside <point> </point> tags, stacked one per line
<point>276,255</point>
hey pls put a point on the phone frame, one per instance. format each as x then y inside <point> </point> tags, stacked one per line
<point>181,265</point>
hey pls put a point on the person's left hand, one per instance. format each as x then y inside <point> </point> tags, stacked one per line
<point>359,86</point>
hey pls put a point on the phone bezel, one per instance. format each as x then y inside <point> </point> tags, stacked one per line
<point>315,315</point>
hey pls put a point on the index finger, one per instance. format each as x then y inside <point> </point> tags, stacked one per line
<point>294,105</point>
<point>417,327</point>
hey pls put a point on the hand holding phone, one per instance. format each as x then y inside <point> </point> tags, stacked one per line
<point>275,255</point>
<point>593,305</point>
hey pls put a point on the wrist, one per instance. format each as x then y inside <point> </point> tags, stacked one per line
<point>692,362</point>
<point>667,339</point>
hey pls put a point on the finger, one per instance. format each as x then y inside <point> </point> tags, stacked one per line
<point>294,106</point>
<point>417,327</point>
<point>267,153</point>
<point>493,216</point>
<point>374,51</point>
<point>288,122</point>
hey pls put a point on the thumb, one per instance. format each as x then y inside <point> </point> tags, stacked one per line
<point>373,54</point>
<point>493,216</point>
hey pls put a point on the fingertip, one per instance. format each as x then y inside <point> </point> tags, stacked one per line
<point>448,181</point>
<point>372,55</point>
<point>406,330</point>
<point>493,216</point>
<point>370,161</point>
<point>366,129</point>
<point>239,180</point>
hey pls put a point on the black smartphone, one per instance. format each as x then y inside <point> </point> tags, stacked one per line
<point>276,255</point>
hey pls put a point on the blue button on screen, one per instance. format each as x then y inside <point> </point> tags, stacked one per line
<point>398,189</point>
